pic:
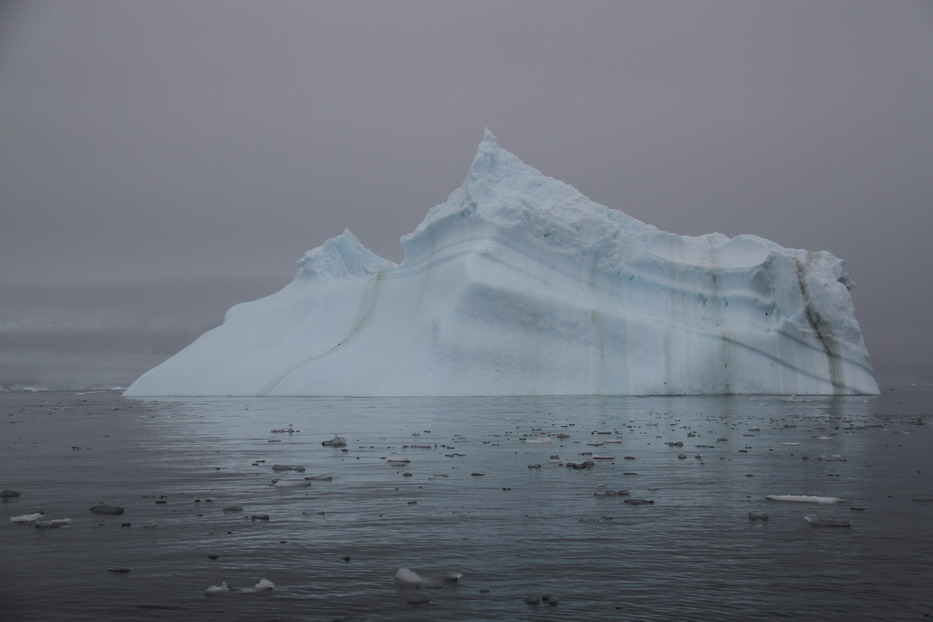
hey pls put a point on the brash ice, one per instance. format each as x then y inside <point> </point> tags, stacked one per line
<point>520,285</point>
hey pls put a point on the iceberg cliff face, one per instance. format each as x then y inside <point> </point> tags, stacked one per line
<point>520,285</point>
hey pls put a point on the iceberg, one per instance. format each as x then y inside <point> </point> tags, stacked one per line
<point>519,285</point>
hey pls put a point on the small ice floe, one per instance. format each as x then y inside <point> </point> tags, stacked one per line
<point>233,509</point>
<point>790,444</point>
<point>264,585</point>
<point>118,569</point>
<point>289,430</point>
<point>409,578</point>
<point>610,493</point>
<point>832,458</point>
<point>287,467</point>
<point>397,461</point>
<point>804,499</point>
<point>562,436</point>
<point>337,441</point>
<point>326,477</point>
<point>537,441</point>
<point>26,518</point>
<point>586,464</point>
<point>150,524</point>
<point>52,524</point>
<point>604,457</point>
<point>640,501</point>
<point>826,521</point>
<point>6,493</point>
<point>824,438</point>
<point>290,483</point>
<point>107,509</point>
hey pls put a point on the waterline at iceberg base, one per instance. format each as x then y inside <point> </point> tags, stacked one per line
<point>520,285</point>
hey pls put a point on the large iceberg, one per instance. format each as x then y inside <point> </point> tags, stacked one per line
<point>520,285</point>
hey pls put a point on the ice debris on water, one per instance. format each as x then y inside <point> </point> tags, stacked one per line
<point>290,483</point>
<point>337,441</point>
<point>6,493</point>
<point>825,521</point>
<point>288,430</point>
<point>264,585</point>
<point>410,578</point>
<point>52,524</point>
<point>805,499</point>
<point>26,518</point>
<point>108,509</point>
<point>287,467</point>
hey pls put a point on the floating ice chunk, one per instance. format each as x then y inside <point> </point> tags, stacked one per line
<point>264,585</point>
<point>540,440</point>
<point>26,518</point>
<point>108,509</point>
<point>397,461</point>
<point>408,577</point>
<point>287,467</point>
<point>52,524</point>
<point>217,589</point>
<point>326,477</point>
<point>288,430</point>
<point>804,499</point>
<point>337,441</point>
<point>291,483</point>
<point>826,521</point>
<point>6,493</point>
<point>832,458</point>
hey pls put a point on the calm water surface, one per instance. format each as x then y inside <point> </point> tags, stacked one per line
<point>468,503</point>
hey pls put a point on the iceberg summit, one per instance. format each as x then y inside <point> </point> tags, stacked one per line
<point>520,285</point>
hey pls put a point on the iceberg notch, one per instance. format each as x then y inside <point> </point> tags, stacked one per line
<point>520,285</point>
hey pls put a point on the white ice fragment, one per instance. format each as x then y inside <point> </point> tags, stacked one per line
<point>337,441</point>
<point>408,577</point>
<point>217,589</point>
<point>291,483</point>
<point>26,518</point>
<point>52,524</point>
<point>804,499</point>
<point>826,521</point>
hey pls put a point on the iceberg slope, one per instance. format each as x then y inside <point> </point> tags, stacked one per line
<point>520,285</point>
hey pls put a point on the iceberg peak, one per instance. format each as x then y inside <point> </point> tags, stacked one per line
<point>343,256</point>
<point>520,285</point>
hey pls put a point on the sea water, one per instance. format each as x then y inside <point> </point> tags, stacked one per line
<point>471,500</point>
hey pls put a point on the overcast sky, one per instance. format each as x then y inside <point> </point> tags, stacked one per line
<point>163,160</point>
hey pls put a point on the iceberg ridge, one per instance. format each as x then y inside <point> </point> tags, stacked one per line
<point>519,285</point>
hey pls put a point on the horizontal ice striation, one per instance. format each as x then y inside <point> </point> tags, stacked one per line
<point>520,285</point>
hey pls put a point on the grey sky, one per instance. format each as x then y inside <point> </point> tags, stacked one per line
<point>160,161</point>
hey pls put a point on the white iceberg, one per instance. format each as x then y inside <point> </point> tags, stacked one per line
<point>520,285</point>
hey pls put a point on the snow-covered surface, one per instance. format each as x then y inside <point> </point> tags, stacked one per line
<point>520,285</point>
